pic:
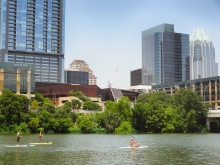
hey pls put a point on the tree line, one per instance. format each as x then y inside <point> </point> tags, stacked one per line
<point>155,112</point>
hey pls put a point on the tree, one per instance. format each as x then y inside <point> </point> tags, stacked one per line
<point>76,104</point>
<point>48,106</point>
<point>13,107</point>
<point>79,95</point>
<point>111,117</point>
<point>124,109</point>
<point>89,105</point>
<point>34,105</point>
<point>139,117</point>
<point>125,127</point>
<point>40,98</point>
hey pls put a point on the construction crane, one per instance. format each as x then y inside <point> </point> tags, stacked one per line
<point>109,82</point>
<point>116,93</point>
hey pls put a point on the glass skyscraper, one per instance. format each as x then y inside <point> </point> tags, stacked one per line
<point>33,32</point>
<point>165,55</point>
<point>202,56</point>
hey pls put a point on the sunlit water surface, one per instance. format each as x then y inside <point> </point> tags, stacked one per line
<point>163,149</point>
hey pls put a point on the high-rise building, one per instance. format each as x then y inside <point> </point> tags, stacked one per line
<point>136,77</point>
<point>33,32</point>
<point>81,65</point>
<point>202,56</point>
<point>72,76</point>
<point>165,55</point>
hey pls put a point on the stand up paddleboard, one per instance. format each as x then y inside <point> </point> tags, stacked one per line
<point>136,147</point>
<point>40,143</point>
<point>19,146</point>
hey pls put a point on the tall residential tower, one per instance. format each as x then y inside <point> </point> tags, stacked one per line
<point>165,55</point>
<point>202,56</point>
<point>33,32</point>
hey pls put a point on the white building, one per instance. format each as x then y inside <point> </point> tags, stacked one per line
<point>202,56</point>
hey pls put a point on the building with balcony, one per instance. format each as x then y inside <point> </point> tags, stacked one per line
<point>33,32</point>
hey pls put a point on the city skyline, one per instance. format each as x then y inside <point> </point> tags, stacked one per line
<point>107,34</point>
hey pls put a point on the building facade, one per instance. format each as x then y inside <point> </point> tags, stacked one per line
<point>33,32</point>
<point>208,88</point>
<point>19,78</point>
<point>76,77</point>
<point>202,56</point>
<point>165,55</point>
<point>81,65</point>
<point>136,77</point>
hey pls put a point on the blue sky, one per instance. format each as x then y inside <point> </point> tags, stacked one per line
<point>107,33</point>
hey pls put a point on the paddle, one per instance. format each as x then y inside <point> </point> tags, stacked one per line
<point>135,140</point>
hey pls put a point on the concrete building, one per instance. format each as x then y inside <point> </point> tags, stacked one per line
<point>202,56</point>
<point>136,77</point>
<point>81,65</point>
<point>33,32</point>
<point>165,55</point>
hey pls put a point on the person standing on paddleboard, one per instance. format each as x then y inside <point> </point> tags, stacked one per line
<point>132,142</point>
<point>18,137</point>
<point>40,136</point>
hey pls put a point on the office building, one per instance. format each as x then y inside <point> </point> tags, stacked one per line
<point>202,56</point>
<point>19,78</point>
<point>33,32</point>
<point>76,77</point>
<point>136,77</point>
<point>81,65</point>
<point>165,55</point>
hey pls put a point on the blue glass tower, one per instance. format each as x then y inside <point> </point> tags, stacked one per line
<point>33,32</point>
<point>165,55</point>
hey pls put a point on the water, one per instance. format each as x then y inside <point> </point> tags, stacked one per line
<point>163,149</point>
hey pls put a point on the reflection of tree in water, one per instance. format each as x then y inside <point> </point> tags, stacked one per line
<point>17,157</point>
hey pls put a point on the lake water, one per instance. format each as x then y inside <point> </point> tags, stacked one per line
<point>163,149</point>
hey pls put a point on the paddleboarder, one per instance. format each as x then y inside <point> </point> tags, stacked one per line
<point>18,137</point>
<point>132,142</point>
<point>40,136</point>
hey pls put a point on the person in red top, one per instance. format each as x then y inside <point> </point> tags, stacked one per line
<point>40,136</point>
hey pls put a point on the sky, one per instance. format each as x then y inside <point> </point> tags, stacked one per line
<point>106,34</point>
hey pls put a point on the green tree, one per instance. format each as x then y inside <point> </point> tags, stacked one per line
<point>124,107</point>
<point>76,104</point>
<point>48,106</point>
<point>13,106</point>
<point>111,117</point>
<point>125,127</point>
<point>140,117</point>
<point>40,98</point>
<point>79,95</point>
<point>89,105</point>
<point>34,105</point>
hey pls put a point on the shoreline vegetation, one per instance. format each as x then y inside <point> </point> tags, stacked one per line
<point>156,112</point>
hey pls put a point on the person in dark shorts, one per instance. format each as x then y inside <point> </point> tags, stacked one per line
<point>18,137</point>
